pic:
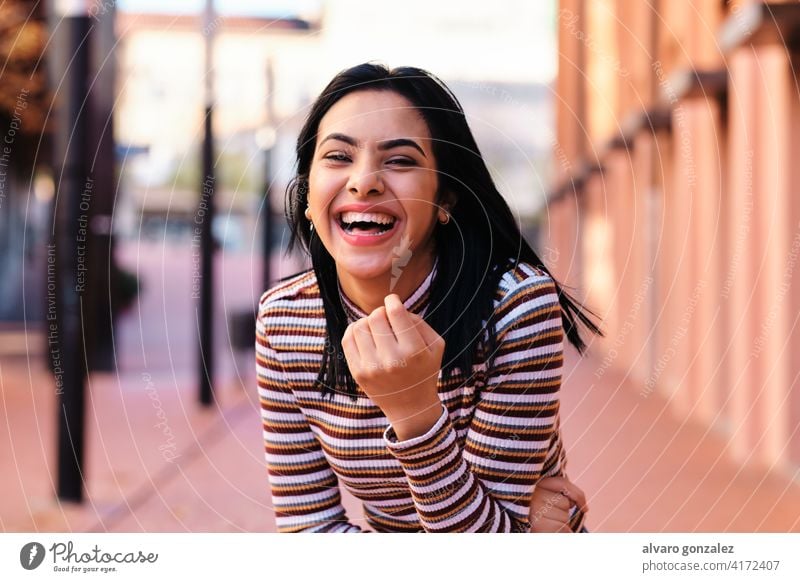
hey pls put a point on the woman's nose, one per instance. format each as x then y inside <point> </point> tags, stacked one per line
<point>365,180</point>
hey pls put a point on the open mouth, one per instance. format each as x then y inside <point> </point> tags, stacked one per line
<point>366,223</point>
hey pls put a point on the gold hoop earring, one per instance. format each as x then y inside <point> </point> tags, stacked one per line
<point>307,214</point>
<point>446,218</point>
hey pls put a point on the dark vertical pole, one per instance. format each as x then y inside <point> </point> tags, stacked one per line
<point>206,217</point>
<point>267,232</point>
<point>102,270</point>
<point>65,329</point>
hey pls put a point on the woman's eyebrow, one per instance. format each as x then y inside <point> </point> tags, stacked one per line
<point>384,145</point>
<point>399,142</point>
<point>340,137</point>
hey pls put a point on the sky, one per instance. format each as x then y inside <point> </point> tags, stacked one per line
<point>269,8</point>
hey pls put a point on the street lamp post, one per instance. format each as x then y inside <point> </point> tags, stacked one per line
<point>205,217</point>
<point>65,335</point>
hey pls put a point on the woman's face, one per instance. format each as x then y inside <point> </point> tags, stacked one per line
<point>373,187</point>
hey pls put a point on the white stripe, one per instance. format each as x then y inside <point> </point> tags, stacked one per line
<point>296,459</point>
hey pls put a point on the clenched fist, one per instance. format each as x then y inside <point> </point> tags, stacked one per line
<point>552,497</point>
<point>395,356</point>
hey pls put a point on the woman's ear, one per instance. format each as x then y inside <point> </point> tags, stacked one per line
<point>447,200</point>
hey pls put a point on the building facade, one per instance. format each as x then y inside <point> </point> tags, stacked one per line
<point>676,208</point>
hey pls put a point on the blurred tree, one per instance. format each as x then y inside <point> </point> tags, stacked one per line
<point>24,97</point>
<point>24,105</point>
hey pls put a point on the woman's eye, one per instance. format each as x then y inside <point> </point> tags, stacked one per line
<point>401,162</point>
<point>338,157</point>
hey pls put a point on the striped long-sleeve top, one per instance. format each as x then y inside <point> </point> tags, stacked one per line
<point>473,471</point>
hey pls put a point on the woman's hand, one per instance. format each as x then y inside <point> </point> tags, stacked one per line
<point>550,503</point>
<point>395,356</point>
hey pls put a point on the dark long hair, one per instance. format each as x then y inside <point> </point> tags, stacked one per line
<point>482,240</point>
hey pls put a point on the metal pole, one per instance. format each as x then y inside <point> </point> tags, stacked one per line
<point>102,273</point>
<point>267,232</point>
<point>65,329</point>
<point>205,216</point>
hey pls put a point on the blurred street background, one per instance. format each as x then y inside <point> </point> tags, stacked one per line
<point>648,150</point>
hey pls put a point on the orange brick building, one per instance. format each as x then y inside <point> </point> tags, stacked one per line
<point>676,211</point>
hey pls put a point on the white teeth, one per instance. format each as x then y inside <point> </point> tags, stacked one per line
<point>376,217</point>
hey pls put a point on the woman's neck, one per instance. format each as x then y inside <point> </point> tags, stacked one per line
<point>369,294</point>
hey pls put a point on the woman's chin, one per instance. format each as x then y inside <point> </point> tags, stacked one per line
<point>363,266</point>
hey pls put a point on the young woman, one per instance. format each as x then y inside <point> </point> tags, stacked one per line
<point>418,363</point>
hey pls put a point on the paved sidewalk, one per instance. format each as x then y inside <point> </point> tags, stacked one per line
<point>157,461</point>
<point>646,470</point>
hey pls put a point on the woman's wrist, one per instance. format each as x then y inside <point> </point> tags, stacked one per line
<point>415,422</point>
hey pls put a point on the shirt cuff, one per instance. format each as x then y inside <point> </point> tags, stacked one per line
<point>413,444</point>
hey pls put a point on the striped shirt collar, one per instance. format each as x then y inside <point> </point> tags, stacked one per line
<point>417,302</point>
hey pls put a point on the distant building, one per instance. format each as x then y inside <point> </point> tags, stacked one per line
<point>160,105</point>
